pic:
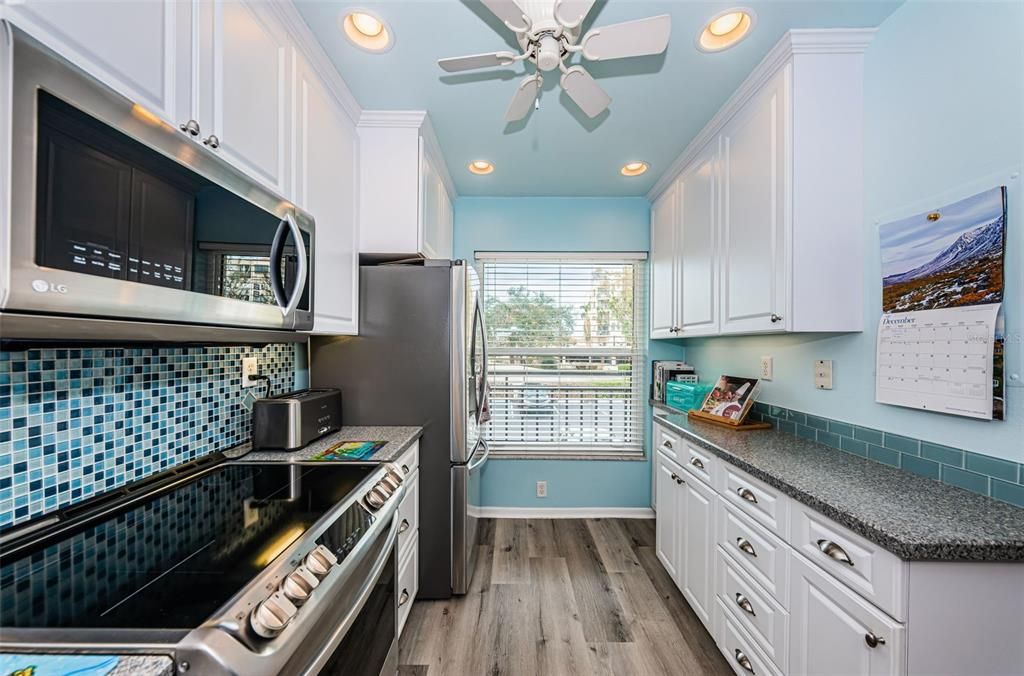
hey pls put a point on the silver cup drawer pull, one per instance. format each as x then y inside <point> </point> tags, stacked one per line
<point>746,494</point>
<point>667,444</point>
<point>745,546</point>
<point>832,550</point>
<point>697,462</point>
<point>404,526</point>
<point>873,640</point>
<point>744,603</point>
<point>404,598</point>
<point>743,660</point>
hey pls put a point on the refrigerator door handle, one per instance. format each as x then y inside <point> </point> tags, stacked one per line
<point>483,408</point>
<point>487,453</point>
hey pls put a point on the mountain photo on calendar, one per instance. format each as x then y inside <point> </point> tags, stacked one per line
<point>949,257</point>
<point>731,398</point>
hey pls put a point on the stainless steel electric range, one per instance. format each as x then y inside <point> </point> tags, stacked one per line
<point>228,567</point>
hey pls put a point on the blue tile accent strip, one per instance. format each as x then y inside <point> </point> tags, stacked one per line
<point>75,423</point>
<point>994,477</point>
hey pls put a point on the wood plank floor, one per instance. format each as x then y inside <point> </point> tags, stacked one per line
<point>562,597</point>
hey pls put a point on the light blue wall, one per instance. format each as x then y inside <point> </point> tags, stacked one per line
<point>944,120</point>
<point>561,224</point>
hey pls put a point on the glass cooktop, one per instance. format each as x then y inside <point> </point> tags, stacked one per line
<point>170,562</point>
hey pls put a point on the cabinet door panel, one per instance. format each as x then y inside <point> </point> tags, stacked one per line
<point>148,63</point>
<point>663,265</point>
<point>430,206</point>
<point>326,173</point>
<point>696,251</point>
<point>667,513</point>
<point>244,89</point>
<point>830,625</point>
<point>697,547</point>
<point>753,232</point>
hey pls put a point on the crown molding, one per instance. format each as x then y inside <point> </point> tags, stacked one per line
<point>411,119</point>
<point>794,42</point>
<point>319,61</point>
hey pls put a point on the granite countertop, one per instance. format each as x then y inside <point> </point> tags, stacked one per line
<point>915,518</point>
<point>398,439</point>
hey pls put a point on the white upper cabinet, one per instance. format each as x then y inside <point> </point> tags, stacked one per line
<point>405,198</point>
<point>770,216</point>
<point>244,89</point>
<point>140,49</point>
<point>663,264</point>
<point>326,175</point>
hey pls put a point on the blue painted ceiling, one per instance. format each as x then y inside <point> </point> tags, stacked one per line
<point>659,103</point>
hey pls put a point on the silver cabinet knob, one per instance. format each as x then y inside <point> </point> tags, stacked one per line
<point>776,318</point>
<point>191,128</point>
<point>872,640</point>
<point>744,603</point>
<point>212,141</point>
<point>832,550</point>
<point>745,546</point>
<point>270,617</point>
<point>743,660</point>
<point>746,494</point>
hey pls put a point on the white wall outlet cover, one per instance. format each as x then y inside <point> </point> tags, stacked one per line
<point>542,489</point>
<point>766,367</point>
<point>823,374</point>
<point>250,368</point>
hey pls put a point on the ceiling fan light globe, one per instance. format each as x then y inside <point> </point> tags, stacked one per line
<point>549,54</point>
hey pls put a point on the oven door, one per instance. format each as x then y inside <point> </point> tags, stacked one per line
<point>117,214</point>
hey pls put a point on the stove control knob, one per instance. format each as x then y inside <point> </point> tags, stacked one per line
<point>299,584</point>
<point>271,616</point>
<point>375,499</point>
<point>392,479</point>
<point>320,560</point>
<point>385,488</point>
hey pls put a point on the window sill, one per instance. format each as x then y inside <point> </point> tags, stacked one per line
<point>536,455</point>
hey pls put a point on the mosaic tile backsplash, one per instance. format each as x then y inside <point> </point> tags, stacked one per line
<point>75,423</point>
<point>996,478</point>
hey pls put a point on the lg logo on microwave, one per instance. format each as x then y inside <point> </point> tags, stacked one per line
<point>43,286</point>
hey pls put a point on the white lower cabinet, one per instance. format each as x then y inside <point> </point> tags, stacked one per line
<point>739,648</point>
<point>696,532</point>
<point>754,609</point>
<point>835,631</point>
<point>667,509</point>
<point>408,544</point>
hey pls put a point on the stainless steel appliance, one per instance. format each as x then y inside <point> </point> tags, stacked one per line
<point>118,215</point>
<point>292,420</point>
<point>227,567</point>
<point>420,359</point>
<point>662,371</point>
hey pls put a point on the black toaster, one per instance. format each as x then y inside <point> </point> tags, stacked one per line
<point>290,421</point>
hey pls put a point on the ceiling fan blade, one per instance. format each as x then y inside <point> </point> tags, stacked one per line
<point>571,13</point>
<point>508,11</point>
<point>585,91</point>
<point>632,38</point>
<point>460,63</point>
<point>525,95</point>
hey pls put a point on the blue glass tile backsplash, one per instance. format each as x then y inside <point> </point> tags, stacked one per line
<point>75,423</point>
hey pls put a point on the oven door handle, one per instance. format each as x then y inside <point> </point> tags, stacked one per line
<point>289,302</point>
<point>364,593</point>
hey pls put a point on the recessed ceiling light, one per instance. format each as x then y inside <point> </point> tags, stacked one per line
<point>481,167</point>
<point>367,31</point>
<point>633,168</point>
<point>725,29</point>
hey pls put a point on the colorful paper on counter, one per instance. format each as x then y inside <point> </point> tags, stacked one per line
<point>57,665</point>
<point>350,450</point>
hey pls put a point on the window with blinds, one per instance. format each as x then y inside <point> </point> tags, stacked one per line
<point>566,352</point>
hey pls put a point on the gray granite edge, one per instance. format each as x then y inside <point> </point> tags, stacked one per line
<point>398,438</point>
<point>937,550</point>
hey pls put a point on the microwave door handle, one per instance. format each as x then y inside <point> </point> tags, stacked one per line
<point>289,303</point>
<point>276,263</point>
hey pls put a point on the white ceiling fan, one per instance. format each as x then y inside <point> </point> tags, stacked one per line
<point>548,32</point>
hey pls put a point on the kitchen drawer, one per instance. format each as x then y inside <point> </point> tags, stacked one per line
<point>742,653</point>
<point>409,515</point>
<point>666,441</point>
<point>875,573</point>
<point>700,463</point>
<point>766,505</point>
<point>756,611</point>
<point>757,551</point>
<point>408,582</point>
<point>409,461</point>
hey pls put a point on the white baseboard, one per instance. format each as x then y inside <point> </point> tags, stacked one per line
<point>563,512</point>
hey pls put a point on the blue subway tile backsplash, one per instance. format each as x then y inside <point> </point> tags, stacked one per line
<point>994,477</point>
<point>75,423</point>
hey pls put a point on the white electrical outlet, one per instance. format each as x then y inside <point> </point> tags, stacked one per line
<point>250,368</point>
<point>766,367</point>
<point>542,489</point>
<point>823,374</point>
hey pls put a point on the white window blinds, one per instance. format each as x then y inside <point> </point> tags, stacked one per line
<point>566,352</point>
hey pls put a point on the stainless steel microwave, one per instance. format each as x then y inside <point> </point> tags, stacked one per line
<point>119,216</point>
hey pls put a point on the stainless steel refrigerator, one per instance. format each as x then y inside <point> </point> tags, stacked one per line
<point>419,359</point>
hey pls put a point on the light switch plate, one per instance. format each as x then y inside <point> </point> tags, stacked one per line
<point>823,374</point>
<point>766,367</point>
